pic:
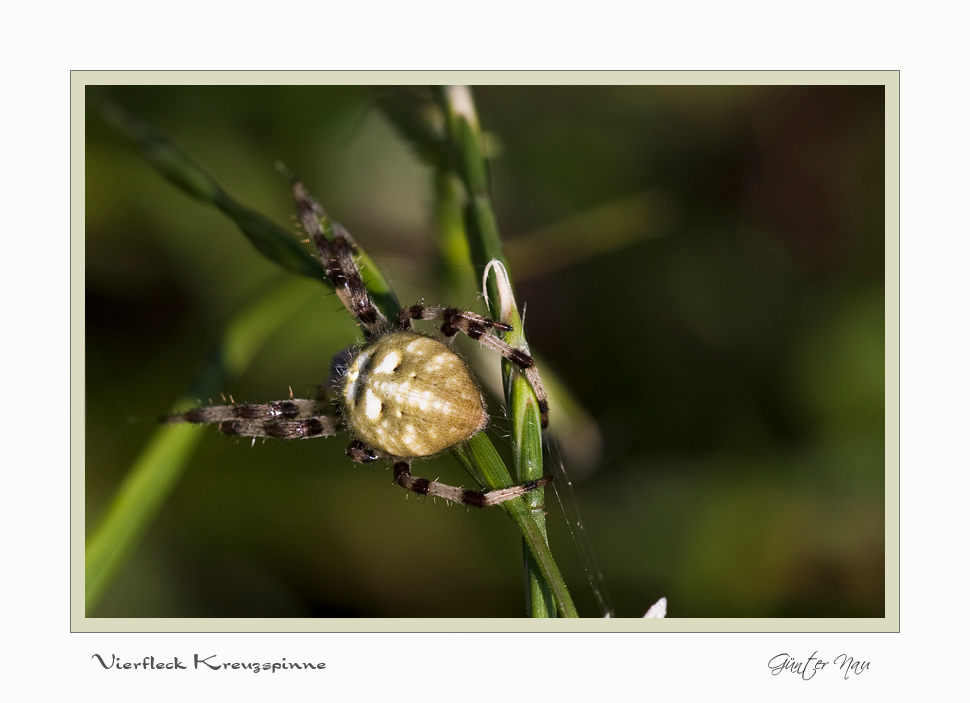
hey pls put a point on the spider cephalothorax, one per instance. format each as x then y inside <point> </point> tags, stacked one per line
<point>402,394</point>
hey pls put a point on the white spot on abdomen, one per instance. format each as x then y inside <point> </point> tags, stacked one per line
<point>359,366</point>
<point>372,405</point>
<point>390,362</point>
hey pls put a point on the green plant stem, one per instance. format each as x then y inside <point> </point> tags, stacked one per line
<point>160,465</point>
<point>485,244</point>
<point>479,457</point>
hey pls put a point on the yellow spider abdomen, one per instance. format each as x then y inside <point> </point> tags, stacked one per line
<point>408,395</point>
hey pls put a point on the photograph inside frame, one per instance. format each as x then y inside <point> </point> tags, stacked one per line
<point>549,351</point>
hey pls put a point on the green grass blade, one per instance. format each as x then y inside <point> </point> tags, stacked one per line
<point>161,464</point>
<point>479,457</point>
<point>485,245</point>
<point>270,239</point>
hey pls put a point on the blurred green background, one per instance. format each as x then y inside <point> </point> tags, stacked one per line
<point>703,267</point>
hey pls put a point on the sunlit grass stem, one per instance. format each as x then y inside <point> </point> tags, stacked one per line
<point>467,155</point>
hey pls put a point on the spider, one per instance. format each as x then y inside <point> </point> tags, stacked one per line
<point>402,394</point>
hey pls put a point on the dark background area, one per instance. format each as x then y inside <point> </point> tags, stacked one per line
<point>730,349</point>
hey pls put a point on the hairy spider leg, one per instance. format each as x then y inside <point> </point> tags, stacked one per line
<point>292,409</point>
<point>455,494</point>
<point>320,426</point>
<point>361,453</point>
<point>338,261</point>
<point>284,419</point>
<point>478,328</point>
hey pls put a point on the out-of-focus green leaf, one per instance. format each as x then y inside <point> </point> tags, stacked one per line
<point>161,464</point>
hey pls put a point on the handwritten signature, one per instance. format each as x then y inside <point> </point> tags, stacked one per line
<point>814,664</point>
